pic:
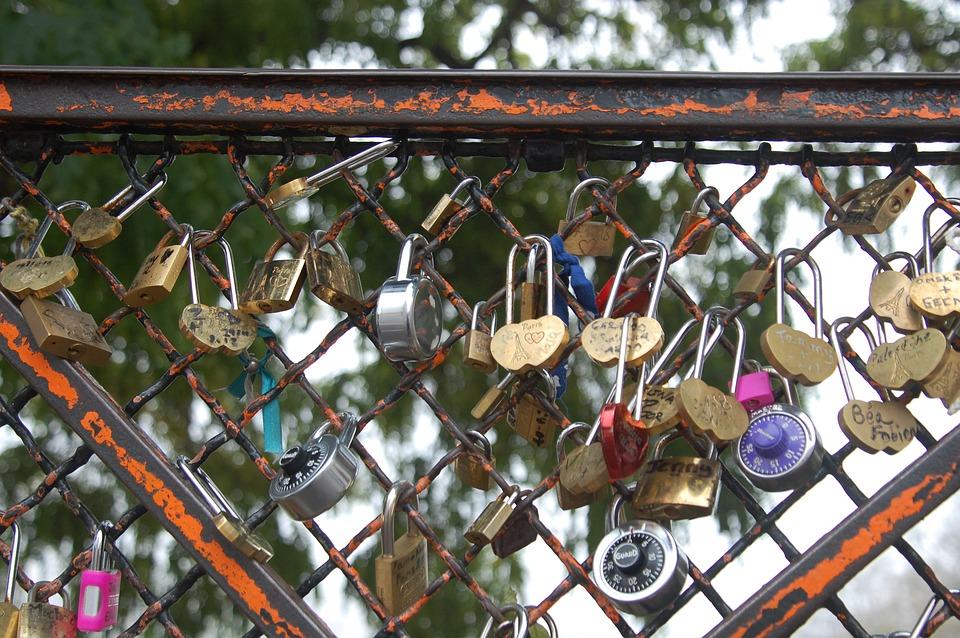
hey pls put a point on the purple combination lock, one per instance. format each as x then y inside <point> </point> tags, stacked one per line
<point>781,449</point>
<point>99,590</point>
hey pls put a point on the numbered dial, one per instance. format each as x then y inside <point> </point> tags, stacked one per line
<point>780,449</point>
<point>633,563</point>
<point>301,462</point>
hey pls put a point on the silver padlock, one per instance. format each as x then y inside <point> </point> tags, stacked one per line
<point>520,624</point>
<point>408,316</point>
<point>314,476</point>
<point>638,564</point>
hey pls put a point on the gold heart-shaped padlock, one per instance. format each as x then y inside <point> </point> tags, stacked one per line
<point>38,276</point>
<point>877,426</point>
<point>914,357</point>
<point>659,410</point>
<point>935,294</point>
<point>944,383</point>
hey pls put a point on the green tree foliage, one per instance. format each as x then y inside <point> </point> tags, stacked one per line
<point>386,33</point>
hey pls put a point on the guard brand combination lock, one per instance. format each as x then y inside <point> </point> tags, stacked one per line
<point>314,476</point>
<point>638,564</point>
<point>99,600</point>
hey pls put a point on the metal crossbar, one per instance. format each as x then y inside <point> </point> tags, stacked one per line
<point>488,108</point>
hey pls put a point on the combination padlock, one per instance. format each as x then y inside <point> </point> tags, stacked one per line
<point>9,612</point>
<point>638,564</point>
<point>591,238</point>
<point>875,206</point>
<point>274,284</point>
<point>693,219</point>
<point>408,314</point>
<point>469,466</point>
<point>447,207</point>
<point>935,294</point>
<point>38,275</point>
<point>314,476</point>
<point>43,620</point>
<point>331,277</point>
<point>401,567</point>
<point>476,343</point>
<point>677,487</point>
<point>160,270</point>
<point>781,448</point>
<point>96,227</point>
<point>99,599</point>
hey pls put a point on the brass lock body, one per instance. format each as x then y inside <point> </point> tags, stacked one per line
<point>65,331</point>
<point>476,343</point>
<point>531,421</point>
<point>43,620</point>
<point>492,398</point>
<point>573,468</point>
<point>492,519</point>
<point>678,487</point>
<point>401,567</point>
<point>591,238</point>
<point>468,466</point>
<point>331,278</point>
<point>751,283</point>
<point>96,227</point>
<point>274,284</point>
<point>877,205</point>
<point>160,270</point>
<point>693,218</point>
<point>447,207</point>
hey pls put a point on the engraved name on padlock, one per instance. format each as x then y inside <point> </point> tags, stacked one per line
<point>331,277</point>
<point>274,284</point>
<point>677,487</point>
<point>935,294</point>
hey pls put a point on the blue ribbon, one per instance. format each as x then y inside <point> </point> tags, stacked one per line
<point>270,414</point>
<point>571,274</point>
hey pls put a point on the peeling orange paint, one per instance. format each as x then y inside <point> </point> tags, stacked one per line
<point>21,344</point>
<point>483,101</point>
<point>289,103</point>
<point>425,102</point>
<point>6,104</point>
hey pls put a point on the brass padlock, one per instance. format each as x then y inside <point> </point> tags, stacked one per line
<point>492,398</point>
<point>96,227</point>
<point>447,207</point>
<point>876,206</point>
<point>35,274</point>
<point>469,465</point>
<point>591,238</point>
<point>10,613</point>
<point>43,620</point>
<point>160,270</point>
<point>492,518</point>
<point>693,218</point>
<point>532,300</point>
<point>274,284</point>
<point>401,567</point>
<point>531,420</point>
<point>752,282</point>
<point>225,517</point>
<point>476,343</point>
<point>331,278</point>
<point>677,487</point>
<point>64,330</point>
<point>567,499</point>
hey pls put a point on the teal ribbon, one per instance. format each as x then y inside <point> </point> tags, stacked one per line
<point>270,414</point>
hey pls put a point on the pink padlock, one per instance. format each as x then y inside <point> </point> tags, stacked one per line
<point>755,390</point>
<point>99,590</point>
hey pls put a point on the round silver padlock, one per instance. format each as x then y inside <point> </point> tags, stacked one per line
<point>314,476</point>
<point>638,565</point>
<point>408,317</point>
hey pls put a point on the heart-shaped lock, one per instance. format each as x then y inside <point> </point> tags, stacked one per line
<point>705,409</point>
<point>96,227</point>
<point>796,355</point>
<point>212,328</point>
<point>944,383</point>
<point>600,338</point>
<point>935,294</point>
<point>872,426</point>
<point>534,344</point>
<point>914,357</point>
<point>890,294</point>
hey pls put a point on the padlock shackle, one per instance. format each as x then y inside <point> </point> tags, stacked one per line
<point>842,360</point>
<point>789,389</point>
<point>720,312</point>
<point>701,197</point>
<point>475,317</point>
<point>660,447</point>
<point>565,433</point>
<point>482,441</point>
<point>228,264</point>
<point>348,431</point>
<point>552,630</point>
<point>132,208</point>
<point>399,492</point>
<point>361,159</point>
<point>408,252</point>
<point>14,564</point>
<point>511,271</point>
<point>817,288</point>
<point>338,248</point>
<point>521,623</point>
<point>671,348</point>
<point>207,489</point>
<point>44,227</point>
<point>655,249</point>
<point>925,227</point>
<point>472,179</point>
<point>65,297</point>
<point>64,595</point>
<point>280,242</point>
<point>614,513</point>
<point>928,613</point>
<point>913,269</point>
<point>578,190</point>
<point>99,560</point>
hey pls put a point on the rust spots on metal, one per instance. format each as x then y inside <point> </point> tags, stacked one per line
<point>21,344</point>
<point>6,104</point>
<point>321,102</point>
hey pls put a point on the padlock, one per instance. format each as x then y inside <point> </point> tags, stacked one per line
<point>890,295</point>
<point>639,300</point>
<point>551,631</point>
<point>99,600</point>
<point>693,218</point>
<point>922,626</point>
<point>876,205</point>
<point>35,274</point>
<point>160,270</point>
<point>532,300</point>
<point>43,620</point>
<point>781,448</point>
<point>944,382</point>
<point>96,227</point>
<point>9,612</point>
<point>531,420</point>
<point>533,344</point>
<point>492,398</point>
<point>468,465</point>
<point>623,438</point>
<point>707,410</point>
<point>212,328</point>
<point>314,476</point>
<point>638,564</point>
<point>935,294</point>
<point>408,314</point>
<point>591,238</point>
<point>677,487</point>
<point>755,389</point>
<point>64,330</point>
<point>585,470</point>
<point>492,518</point>
<point>401,567</point>
<point>872,426</point>
<point>274,284</point>
<point>225,518</point>
<point>476,343</point>
<point>519,627</point>
<point>600,338</point>
<point>447,207</point>
<point>303,187</point>
<point>751,283</point>
<point>331,277</point>
<point>517,532</point>
<point>796,355</point>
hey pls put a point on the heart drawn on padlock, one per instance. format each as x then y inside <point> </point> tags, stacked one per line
<point>531,344</point>
<point>890,299</point>
<point>936,294</point>
<point>877,426</point>
<point>911,358</point>
<point>601,340</point>
<point>711,412</point>
<point>797,355</point>
<point>38,276</point>
<point>215,329</point>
